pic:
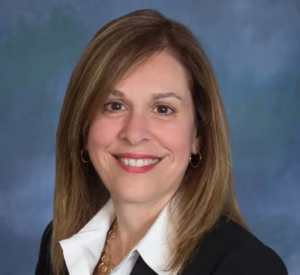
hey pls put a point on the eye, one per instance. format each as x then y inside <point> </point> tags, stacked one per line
<point>164,110</point>
<point>113,107</point>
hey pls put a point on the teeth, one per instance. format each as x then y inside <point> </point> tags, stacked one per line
<point>138,162</point>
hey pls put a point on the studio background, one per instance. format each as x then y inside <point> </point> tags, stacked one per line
<point>255,49</point>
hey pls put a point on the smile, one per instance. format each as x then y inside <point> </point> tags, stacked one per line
<point>137,166</point>
<point>137,162</point>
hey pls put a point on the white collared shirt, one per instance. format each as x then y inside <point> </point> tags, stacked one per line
<point>83,250</point>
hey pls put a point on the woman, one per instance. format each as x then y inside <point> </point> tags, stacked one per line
<point>144,181</point>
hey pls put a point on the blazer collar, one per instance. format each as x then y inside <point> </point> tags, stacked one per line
<point>82,251</point>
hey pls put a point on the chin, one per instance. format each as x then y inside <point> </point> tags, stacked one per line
<point>135,195</point>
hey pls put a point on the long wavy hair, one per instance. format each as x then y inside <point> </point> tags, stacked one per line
<point>206,192</point>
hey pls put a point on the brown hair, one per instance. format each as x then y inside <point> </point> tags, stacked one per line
<point>206,193</point>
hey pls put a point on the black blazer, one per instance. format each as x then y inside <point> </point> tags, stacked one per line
<point>227,249</point>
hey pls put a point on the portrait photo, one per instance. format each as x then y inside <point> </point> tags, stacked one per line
<point>150,137</point>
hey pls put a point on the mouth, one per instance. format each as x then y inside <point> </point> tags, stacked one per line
<point>137,162</point>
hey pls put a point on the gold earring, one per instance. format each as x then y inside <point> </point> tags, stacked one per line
<point>200,158</point>
<point>83,160</point>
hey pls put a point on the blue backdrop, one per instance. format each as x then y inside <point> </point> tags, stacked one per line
<point>255,49</point>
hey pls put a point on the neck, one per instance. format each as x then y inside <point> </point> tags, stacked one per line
<point>134,220</point>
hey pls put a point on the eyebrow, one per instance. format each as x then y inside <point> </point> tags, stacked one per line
<point>154,96</point>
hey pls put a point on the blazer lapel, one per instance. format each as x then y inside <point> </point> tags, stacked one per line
<point>141,267</point>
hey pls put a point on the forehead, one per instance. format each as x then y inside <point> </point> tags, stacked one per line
<point>160,73</point>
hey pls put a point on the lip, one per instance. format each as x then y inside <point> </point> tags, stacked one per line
<point>136,170</point>
<point>136,156</point>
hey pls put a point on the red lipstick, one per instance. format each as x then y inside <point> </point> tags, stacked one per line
<point>134,169</point>
<point>136,156</point>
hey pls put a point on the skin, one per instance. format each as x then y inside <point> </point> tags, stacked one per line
<point>138,125</point>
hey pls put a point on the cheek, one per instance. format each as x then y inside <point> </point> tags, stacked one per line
<point>177,137</point>
<point>101,134</point>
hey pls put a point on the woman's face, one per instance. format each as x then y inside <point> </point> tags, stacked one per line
<point>141,142</point>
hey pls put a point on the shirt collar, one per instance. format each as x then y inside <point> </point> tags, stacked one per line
<point>82,251</point>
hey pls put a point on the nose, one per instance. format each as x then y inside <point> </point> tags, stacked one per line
<point>135,129</point>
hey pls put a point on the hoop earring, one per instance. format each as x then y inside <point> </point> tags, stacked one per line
<point>200,158</point>
<point>83,160</point>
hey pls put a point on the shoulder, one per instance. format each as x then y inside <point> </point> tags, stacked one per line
<point>43,265</point>
<point>258,260</point>
<point>228,248</point>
